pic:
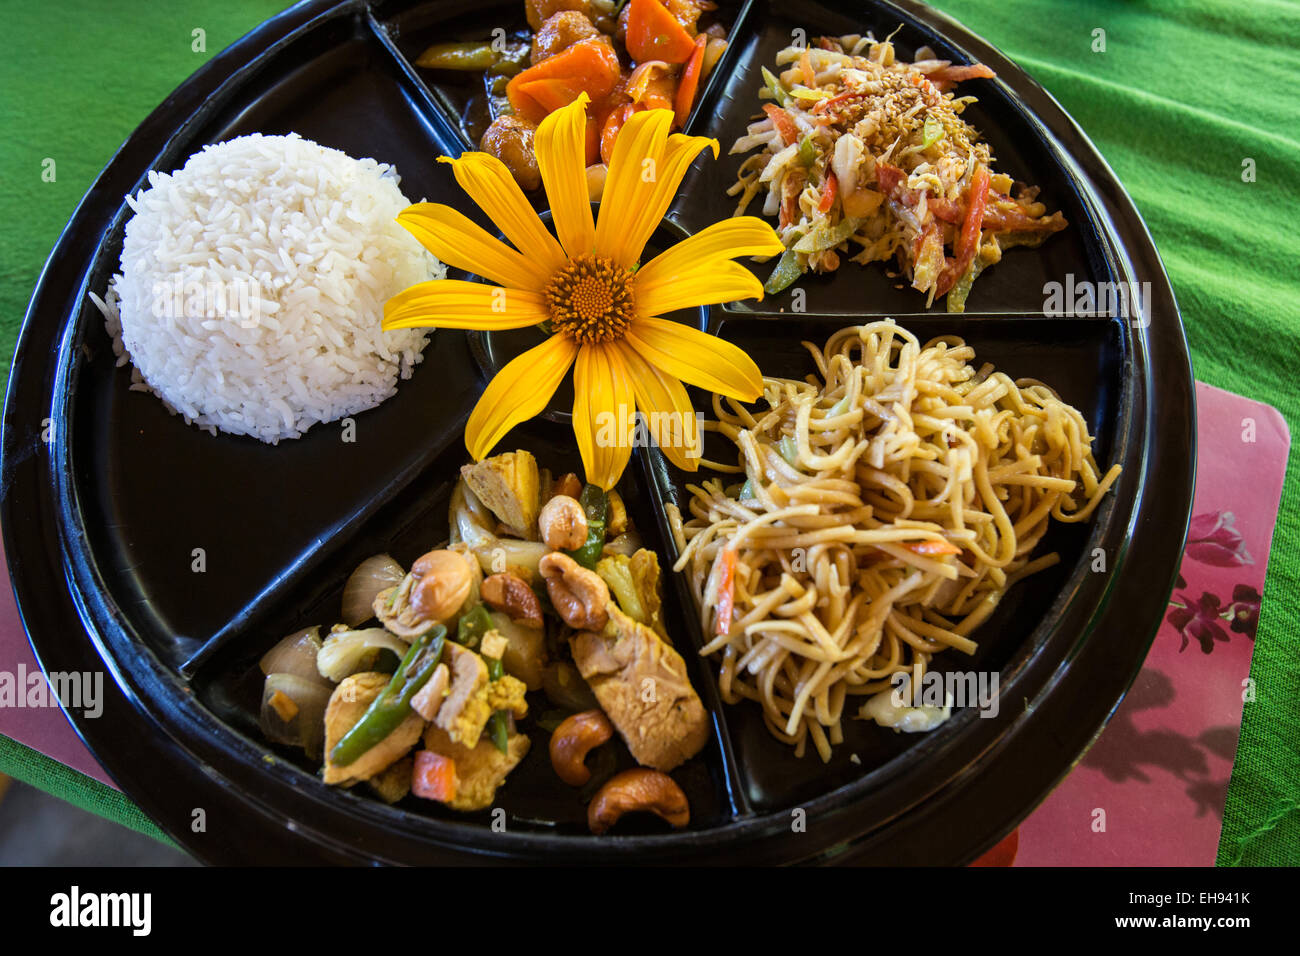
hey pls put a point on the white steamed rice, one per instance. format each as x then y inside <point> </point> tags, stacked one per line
<point>253,284</point>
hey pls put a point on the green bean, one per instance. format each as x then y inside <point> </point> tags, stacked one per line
<point>594,503</point>
<point>497,722</point>
<point>498,731</point>
<point>393,705</point>
<point>473,624</point>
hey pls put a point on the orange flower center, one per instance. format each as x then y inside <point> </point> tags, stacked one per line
<point>591,300</point>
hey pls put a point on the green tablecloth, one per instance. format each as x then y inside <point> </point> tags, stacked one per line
<point>1182,96</point>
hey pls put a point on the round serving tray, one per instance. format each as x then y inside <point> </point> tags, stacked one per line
<point>106,496</point>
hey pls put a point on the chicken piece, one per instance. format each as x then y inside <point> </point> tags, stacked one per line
<point>347,705</point>
<point>508,486</point>
<point>559,33</point>
<point>685,12</point>
<point>464,710</point>
<point>642,686</point>
<point>539,11</point>
<point>480,770</point>
<point>510,139</point>
<point>394,783</point>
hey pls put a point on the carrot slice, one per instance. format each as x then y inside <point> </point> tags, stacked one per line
<point>590,66</point>
<point>806,69</point>
<point>594,124</point>
<point>968,241</point>
<point>690,82</point>
<point>784,125</point>
<point>931,548</point>
<point>726,590</point>
<point>831,190</point>
<point>654,34</point>
<point>434,776</point>
<point>609,132</point>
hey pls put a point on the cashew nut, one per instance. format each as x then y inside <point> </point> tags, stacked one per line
<point>442,585</point>
<point>509,594</point>
<point>563,524</point>
<point>578,595</point>
<point>638,790</point>
<point>576,737</point>
<point>439,584</point>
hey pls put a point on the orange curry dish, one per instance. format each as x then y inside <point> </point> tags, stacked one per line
<point>640,55</point>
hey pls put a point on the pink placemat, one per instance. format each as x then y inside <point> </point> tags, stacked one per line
<point>1152,788</point>
<point>42,728</point>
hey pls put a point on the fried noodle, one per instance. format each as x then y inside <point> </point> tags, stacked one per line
<point>890,502</point>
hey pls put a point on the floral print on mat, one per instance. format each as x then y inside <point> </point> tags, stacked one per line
<point>1213,539</point>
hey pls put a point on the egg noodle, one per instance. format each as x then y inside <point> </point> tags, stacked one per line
<point>890,502</point>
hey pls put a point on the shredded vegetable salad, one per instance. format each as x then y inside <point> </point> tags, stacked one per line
<point>860,149</point>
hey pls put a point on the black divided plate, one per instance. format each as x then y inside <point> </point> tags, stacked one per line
<point>106,496</point>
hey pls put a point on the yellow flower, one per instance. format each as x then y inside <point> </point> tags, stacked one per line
<point>602,309</point>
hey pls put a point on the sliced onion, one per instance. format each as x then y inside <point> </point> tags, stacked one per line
<point>628,543</point>
<point>494,554</point>
<point>372,576</point>
<point>293,711</point>
<point>525,654</point>
<point>348,652</point>
<point>641,77</point>
<point>296,655</point>
<point>712,54</point>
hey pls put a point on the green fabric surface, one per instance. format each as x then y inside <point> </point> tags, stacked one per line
<point>23,763</point>
<point>1182,94</point>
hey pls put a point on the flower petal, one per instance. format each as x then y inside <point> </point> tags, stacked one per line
<point>696,357</point>
<point>489,183</point>
<point>728,239</point>
<point>662,399</point>
<point>518,392</point>
<point>706,283</point>
<point>630,184</point>
<point>463,244</point>
<point>604,406</point>
<point>644,174</point>
<point>560,145</point>
<point>453,304</point>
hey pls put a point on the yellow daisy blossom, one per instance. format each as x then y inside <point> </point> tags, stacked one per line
<point>602,309</point>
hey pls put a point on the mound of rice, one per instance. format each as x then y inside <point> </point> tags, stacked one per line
<point>253,283</point>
